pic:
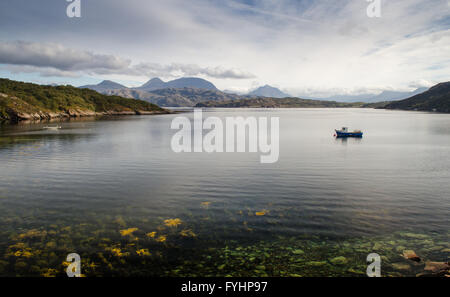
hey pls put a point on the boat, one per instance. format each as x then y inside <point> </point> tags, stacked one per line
<point>52,127</point>
<point>344,132</point>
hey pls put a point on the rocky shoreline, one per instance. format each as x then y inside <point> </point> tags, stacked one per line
<point>75,113</point>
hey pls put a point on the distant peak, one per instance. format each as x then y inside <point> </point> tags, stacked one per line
<point>156,79</point>
<point>106,82</point>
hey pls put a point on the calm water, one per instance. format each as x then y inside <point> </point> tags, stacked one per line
<point>74,190</point>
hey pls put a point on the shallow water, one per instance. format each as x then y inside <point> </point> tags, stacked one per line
<point>76,189</point>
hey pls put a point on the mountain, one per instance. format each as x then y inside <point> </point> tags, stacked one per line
<point>26,101</point>
<point>394,95</point>
<point>268,91</point>
<point>264,102</point>
<point>153,84</point>
<point>104,86</point>
<point>185,82</point>
<point>171,97</point>
<point>371,98</point>
<point>436,98</point>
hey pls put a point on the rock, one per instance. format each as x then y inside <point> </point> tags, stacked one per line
<point>411,255</point>
<point>435,248</point>
<point>298,252</point>
<point>400,248</point>
<point>316,263</point>
<point>339,261</point>
<point>417,236</point>
<point>401,266</point>
<point>436,267</point>
<point>377,246</point>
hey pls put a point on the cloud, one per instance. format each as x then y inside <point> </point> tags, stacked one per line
<point>43,71</point>
<point>58,57</point>
<point>177,69</point>
<point>50,59</point>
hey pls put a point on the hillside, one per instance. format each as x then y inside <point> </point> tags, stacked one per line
<point>277,103</point>
<point>185,97</point>
<point>26,101</point>
<point>436,98</point>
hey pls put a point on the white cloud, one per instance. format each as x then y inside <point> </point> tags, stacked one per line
<point>51,59</point>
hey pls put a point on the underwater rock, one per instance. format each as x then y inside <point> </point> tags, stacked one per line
<point>436,267</point>
<point>401,266</point>
<point>339,260</point>
<point>400,248</point>
<point>298,252</point>
<point>416,236</point>
<point>435,248</point>
<point>377,246</point>
<point>316,263</point>
<point>411,255</point>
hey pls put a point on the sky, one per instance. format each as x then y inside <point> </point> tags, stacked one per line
<point>304,47</point>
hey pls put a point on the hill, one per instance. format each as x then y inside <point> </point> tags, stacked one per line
<point>277,103</point>
<point>27,101</point>
<point>436,98</point>
<point>268,91</point>
<point>184,82</point>
<point>104,86</point>
<point>185,97</point>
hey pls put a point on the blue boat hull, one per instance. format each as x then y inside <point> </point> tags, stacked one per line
<point>349,134</point>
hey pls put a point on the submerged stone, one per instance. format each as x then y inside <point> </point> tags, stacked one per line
<point>436,267</point>
<point>401,266</point>
<point>339,260</point>
<point>417,236</point>
<point>298,252</point>
<point>316,263</point>
<point>411,255</point>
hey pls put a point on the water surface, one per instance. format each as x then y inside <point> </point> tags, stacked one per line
<point>76,189</point>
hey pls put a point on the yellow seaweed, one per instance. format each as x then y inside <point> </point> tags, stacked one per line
<point>188,233</point>
<point>161,238</point>
<point>143,252</point>
<point>50,273</point>
<point>262,213</point>
<point>128,231</point>
<point>172,222</point>
<point>151,234</point>
<point>118,252</point>
<point>205,204</point>
<point>33,233</point>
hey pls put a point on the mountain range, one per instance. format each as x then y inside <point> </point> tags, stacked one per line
<point>370,98</point>
<point>171,97</point>
<point>190,91</point>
